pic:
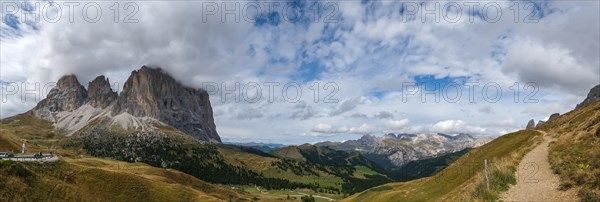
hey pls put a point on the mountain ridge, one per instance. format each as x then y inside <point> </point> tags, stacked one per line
<point>592,96</point>
<point>394,151</point>
<point>149,96</point>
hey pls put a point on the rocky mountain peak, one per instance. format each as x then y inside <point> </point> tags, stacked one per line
<point>151,92</point>
<point>149,95</point>
<point>390,135</point>
<point>67,81</point>
<point>530,125</point>
<point>67,95</point>
<point>593,96</point>
<point>464,136</point>
<point>100,93</point>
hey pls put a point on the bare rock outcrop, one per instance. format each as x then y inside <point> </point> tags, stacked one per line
<point>593,96</point>
<point>100,93</point>
<point>530,125</point>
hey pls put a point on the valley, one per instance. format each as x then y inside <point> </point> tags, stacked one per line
<point>142,145</point>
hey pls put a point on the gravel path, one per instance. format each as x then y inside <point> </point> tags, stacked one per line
<point>535,180</point>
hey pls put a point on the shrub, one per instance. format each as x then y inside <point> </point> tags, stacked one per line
<point>501,177</point>
<point>309,198</point>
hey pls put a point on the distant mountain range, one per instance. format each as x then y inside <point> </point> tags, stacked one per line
<point>265,147</point>
<point>390,151</point>
<point>393,151</point>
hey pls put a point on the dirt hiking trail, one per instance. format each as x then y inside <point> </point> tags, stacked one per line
<point>535,179</point>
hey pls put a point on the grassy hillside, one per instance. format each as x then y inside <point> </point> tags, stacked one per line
<point>325,156</point>
<point>462,179</point>
<point>74,177</point>
<point>169,148</point>
<point>104,180</point>
<point>37,134</point>
<point>324,169</point>
<point>356,172</point>
<point>425,167</point>
<point>575,155</point>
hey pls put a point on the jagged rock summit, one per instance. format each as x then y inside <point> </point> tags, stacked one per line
<point>530,125</point>
<point>593,96</point>
<point>99,92</point>
<point>149,96</point>
<point>153,93</point>
<point>67,95</point>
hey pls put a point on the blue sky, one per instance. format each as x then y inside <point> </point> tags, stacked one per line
<point>356,62</point>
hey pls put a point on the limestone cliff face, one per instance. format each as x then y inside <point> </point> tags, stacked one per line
<point>68,95</point>
<point>153,93</point>
<point>100,94</point>
<point>148,96</point>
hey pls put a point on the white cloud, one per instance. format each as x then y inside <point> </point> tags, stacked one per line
<point>368,55</point>
<point>549,66</point>
<point>359,116</point>
<point>456,126</point>
<point>384,115</point>
<point>397,125</point>
<point>323,128</point>
<point>347,105</point>
<point>363,129</point>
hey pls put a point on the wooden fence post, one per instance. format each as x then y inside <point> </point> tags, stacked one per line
<point>487,178</point>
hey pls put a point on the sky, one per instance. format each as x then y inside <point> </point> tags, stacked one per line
<point>307,71</point>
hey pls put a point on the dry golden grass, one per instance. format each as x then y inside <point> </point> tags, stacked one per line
<point>575,155</point>
<point>252,161</point>
<point>77,178</point>
<point>85,179</point>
